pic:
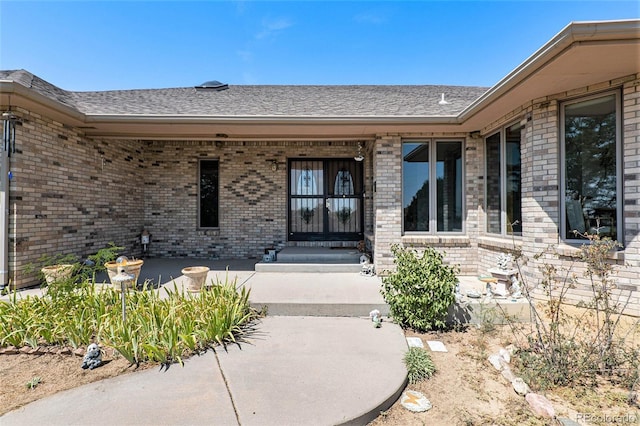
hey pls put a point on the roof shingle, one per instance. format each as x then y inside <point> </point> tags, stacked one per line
<point>263,100</point>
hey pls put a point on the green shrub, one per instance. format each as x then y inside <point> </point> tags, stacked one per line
<point>421,289</point>
<point>419,365</point>
<point>156,329</point>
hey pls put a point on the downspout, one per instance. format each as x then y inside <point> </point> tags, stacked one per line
<point>8,146</point>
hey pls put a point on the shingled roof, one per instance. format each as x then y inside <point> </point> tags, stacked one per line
<point>263,100</point>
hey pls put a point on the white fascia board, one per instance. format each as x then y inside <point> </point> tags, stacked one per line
<point>573,33</point>
<point>270,119</point>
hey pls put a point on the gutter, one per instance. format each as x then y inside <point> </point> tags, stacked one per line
<point>10,87</point>
<point>267,119</point>
<point>574,33</point>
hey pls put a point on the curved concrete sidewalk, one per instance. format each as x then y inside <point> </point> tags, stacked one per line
<point>290,371</point>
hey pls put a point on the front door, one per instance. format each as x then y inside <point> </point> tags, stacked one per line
<point>325,200</point>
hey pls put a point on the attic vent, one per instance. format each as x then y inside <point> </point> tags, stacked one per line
<point>213,85</point>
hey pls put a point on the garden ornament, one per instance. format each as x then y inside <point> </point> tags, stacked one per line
<point>504,261</point>
<point>516,291</point>
<point>93,357</point>
<point>368,269</point>
<point>376,318</point>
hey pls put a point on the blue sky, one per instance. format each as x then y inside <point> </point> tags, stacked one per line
<point>91,45</point>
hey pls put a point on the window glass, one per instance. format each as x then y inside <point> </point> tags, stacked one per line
<point>494,189</point>
<point>590,191</point>
<point>503,182</point>
<point>513,176</point>
<point>415,186</point>
<point>209,194</point>
<point>449,184</point>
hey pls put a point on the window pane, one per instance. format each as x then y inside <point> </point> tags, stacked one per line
<point>449,186</point>
<point>590,167</point>
<point>415,186</point>
<point>513,180</point>
<point>494,189</point>
<point>209,194</point>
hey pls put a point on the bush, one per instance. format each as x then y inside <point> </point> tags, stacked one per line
<point>419,365</point>
<point>421,289</point>
<point>578,347</point>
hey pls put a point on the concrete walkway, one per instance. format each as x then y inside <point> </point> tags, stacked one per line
<point>290,370</point>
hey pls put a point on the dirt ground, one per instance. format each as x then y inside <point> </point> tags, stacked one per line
<point>56,373</point>
<point>466,389</point>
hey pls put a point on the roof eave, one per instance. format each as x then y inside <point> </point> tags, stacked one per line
<point>15,94</point>
<point>267,119</point>
<point>575,32</point>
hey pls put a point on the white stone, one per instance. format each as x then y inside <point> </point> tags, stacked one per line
<point>436,346</point>
<point>496,360</point>
<point>505,355</point>
<point>508,374</point>
<point>520,386</point>
<point>415,401</point>
<point>415,342</point>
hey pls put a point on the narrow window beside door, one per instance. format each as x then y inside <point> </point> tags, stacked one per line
<point>208,188</point>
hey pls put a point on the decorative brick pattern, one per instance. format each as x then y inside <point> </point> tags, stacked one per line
<point>253,197</point>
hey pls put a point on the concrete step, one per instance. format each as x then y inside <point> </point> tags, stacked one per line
<point>318,255</point>
<point>308,309</point>
<point>313,294</point>
<point>281,266</point>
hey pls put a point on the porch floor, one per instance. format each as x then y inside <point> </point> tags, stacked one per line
<point>338,294</point>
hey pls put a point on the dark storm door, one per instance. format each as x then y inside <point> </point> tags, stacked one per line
<point>325,200</point>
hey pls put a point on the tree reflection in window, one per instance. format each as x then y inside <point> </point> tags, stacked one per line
<point>591,166</point>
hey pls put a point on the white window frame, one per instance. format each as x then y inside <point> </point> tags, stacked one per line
<point>619,167</point>
<point>433,196</point>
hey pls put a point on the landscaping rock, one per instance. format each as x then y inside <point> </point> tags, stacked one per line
<point>64,351</point>
<point>10,350</point>
<point>25,349</point>
<point>508,374</point>
<point>415,342</point>
<point>540,405</point>
<point>505,355</point>
<point>415,401</point>
<point>79,352</point>
<point>37,351</point>
<point>497,361</point>
<point>520,386</point>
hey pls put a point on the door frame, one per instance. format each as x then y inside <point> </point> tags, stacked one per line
<point>325,235</point>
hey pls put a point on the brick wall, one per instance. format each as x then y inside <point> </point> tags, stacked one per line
<point>458,249</point>
<point>70,194</point>
<point>541,192</point>
<point>253,197</point>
